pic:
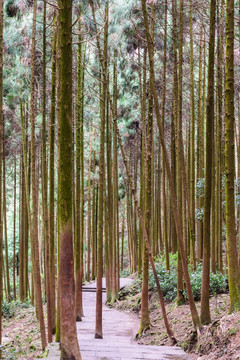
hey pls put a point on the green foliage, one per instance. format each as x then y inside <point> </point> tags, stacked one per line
<point>8,309</point>
<point>218,283</point>
<point>168,281</point>
<point>125,273</point>
<point>131,290</point>
<point>23,305</point>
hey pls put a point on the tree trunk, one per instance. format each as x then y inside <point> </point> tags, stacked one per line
<point>45,186</point>
<point>233,268</point>
<point>205,310</point>
<point>14,229</point>
<point>68,331</point>
<point>52,184</point>
<point>1,145</point>
<point>195,317</point>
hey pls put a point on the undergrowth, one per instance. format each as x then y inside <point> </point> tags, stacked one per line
<point>9,308</point>
<point>168,281</point>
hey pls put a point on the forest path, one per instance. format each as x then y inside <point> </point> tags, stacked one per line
<point>119,329</point>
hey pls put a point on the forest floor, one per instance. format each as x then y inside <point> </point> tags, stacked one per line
<point>21,335</point>
<point>219,340</point>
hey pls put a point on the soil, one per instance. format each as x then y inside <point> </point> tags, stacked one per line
<point>21,335</point>
<point>219,340</point>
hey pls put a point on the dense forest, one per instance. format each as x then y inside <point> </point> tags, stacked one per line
<point>119,155</point>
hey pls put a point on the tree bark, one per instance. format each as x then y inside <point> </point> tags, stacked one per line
<point>68,331</point>
<point>232,259</point>
<point>205,310</point>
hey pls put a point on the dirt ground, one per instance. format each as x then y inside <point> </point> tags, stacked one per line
<point>21,336</point>
<point>219,340</point>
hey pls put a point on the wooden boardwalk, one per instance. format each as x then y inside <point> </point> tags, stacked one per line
<point>119,330</point>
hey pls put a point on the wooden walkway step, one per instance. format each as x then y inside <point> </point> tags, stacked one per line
<point>118,342</point>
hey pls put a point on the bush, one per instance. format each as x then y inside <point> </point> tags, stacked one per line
<point>125,273</point>
<point>168,281</point>
<point>132,289</point>
<point>8,309</point>
<point>23,305</point>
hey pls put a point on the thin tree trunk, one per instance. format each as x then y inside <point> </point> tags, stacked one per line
<point>78,222</point>
<point>192,147</point>
<point>93,236</point>
<point>5,217</point>
<point>233,268</point>
<point>146,239</point>
<point>205,310</point>
<point>45,186</point>
<point>14,228</point>
<point>200,134</point>
<point>164,198</point>
<point>195,317</point>
<point>32,219</point>
<point>1,125</point>
<point>52,184</point>
<point>103,63</point>
<point>89,210</point>
<point>180,201</point>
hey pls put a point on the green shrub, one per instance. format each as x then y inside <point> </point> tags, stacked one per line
<point>23,305</point>
<point>8,309</point>
<point>125,273</point>
<point>132,289</point>
<point>168,281</point>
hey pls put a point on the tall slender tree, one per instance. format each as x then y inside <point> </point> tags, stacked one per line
<point>232,259</point>
<point>68,330</point>
<point>194,313</point>
<point>52,181</point>
<point>34,218</point>
<point>1,127</point>
<point>45,185</point>
<point>205,310</point>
